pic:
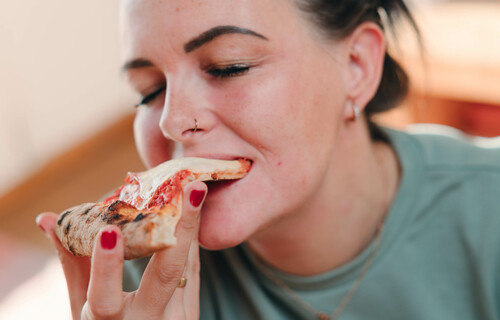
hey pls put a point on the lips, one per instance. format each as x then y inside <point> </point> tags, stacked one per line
<point>217,156</point>
<point>215,187</point>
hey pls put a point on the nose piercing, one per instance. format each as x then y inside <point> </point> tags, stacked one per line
<point>195,125</point>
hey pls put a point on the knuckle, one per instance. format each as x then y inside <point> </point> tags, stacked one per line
<point>170,274</point>
<point>104,311</point>
<point>189,224</point>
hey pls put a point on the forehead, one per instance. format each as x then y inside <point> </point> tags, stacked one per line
<point>145,24</point>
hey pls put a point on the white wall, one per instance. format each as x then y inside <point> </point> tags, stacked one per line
<point>59,79</point>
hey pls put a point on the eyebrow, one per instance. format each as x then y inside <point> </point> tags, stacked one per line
<point>136,64</point>
<point>215,32</point>
<point>195,43</point>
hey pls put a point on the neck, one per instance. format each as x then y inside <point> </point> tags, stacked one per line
<point>342,218</point>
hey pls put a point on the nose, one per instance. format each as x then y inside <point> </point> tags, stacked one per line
<point>187,112</point>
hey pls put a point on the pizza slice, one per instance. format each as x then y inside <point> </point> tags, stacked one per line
<point>146,208</point>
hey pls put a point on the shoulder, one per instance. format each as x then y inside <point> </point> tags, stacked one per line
<point>454,179</point>
<point>447,149</point>
<point>455,183</point>
<point>454,194</point>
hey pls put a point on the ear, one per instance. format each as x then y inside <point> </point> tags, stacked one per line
<point>364,56</point>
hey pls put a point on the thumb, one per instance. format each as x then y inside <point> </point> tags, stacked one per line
<point>76,269</point>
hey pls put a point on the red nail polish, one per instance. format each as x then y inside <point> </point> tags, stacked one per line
<point>108,240</point>
<point>41,227</point>
<point>196,197</point>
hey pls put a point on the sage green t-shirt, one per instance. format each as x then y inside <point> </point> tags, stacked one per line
<point>439,257</point>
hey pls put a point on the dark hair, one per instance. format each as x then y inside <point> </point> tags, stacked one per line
<point>339,18</point>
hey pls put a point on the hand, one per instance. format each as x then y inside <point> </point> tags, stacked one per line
<point>95,288</point>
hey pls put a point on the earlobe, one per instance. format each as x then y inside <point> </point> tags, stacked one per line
<point>352,112</point>
<point>365,58</point>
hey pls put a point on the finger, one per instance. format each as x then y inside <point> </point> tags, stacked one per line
<point>189,295</point>
<point>76,269</point>
<point>192,288</point>
<point>105,298</point>
<point>166,267</point>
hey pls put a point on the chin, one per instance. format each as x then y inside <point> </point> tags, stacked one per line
<point>219,239</point>
<point>219,231</point>
<point>230,214</point>
<point>222,228</point>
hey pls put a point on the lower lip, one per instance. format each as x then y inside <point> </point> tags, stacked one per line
<point>216,187</point>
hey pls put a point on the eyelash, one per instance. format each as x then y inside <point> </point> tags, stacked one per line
<point>229,71</point>
<point>150,97</point>
<point>221,73</point>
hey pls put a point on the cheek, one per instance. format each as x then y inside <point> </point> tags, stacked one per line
<point>255,108</point>
<point>152,146</point>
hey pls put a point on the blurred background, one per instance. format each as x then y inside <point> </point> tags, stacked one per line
<point>66,117</point>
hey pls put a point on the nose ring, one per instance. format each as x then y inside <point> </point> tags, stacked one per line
<point>195,125</point>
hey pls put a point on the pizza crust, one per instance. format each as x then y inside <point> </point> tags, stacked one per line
<point>145,230</point>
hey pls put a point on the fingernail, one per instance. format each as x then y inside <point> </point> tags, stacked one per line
<point>196,197</point>
<point>108,240</point>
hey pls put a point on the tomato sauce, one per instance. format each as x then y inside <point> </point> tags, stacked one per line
<point>115,196</point>
<point>130,192</point>
<point>168,190</point>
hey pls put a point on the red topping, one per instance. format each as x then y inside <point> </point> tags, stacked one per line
<point>129,192</point>
<point>168,190</point>
<point>115,196</point>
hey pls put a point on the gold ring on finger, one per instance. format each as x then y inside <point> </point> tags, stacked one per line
<point>182,282</point>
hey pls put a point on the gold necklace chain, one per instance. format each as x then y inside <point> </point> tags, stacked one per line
<point>347,298</point>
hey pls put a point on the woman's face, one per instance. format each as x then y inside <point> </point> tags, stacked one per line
<point>260,84</point>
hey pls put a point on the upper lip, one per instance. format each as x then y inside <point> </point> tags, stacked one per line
<point>217,156</point>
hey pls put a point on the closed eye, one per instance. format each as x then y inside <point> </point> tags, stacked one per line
<point>229,71</point>
<point>150,97</point>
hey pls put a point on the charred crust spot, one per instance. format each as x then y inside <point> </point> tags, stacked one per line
<point>84,213</point>
<point>66,229</point>
<point>139,217</point>
<point>118,204</point>
<point>114,206</point>
<point>215,176</point>
<point>59,222</point>
<point>70,248</point>
<point>110,218</point>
